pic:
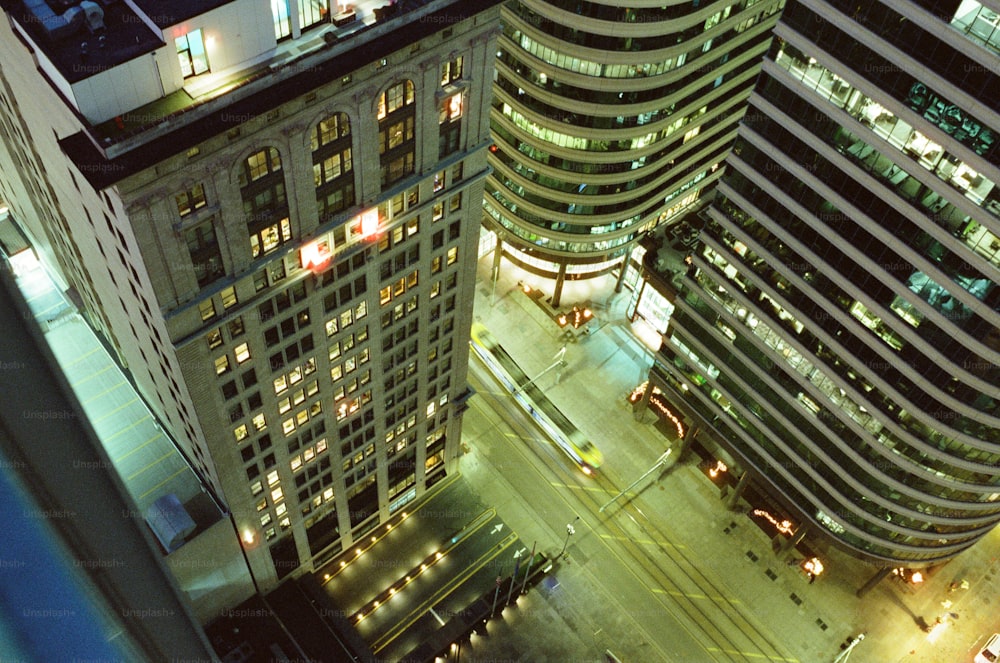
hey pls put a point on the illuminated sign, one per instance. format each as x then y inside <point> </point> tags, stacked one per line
<point>657,402</point>
<point>369,223</point>
<point>784,526</point>
<point>577,317</point>
<point>316,255</point>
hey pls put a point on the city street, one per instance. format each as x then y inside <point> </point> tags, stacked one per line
<point>641,596</point>
<point>697,572</point>
<point>423,568</point>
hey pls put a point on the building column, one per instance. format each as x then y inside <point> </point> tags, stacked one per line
<point>560,279</point>
<point>873,581</point>
<point>641,405</point>
<point>497,259</point>
<point>620,283</point>
<point>781,544</point>
<point>734,496</point>
<point>685,442</point>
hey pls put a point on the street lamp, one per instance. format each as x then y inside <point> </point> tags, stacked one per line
<point>513,576</point>
<point>659,463</point>
<point>570,531</point>
<point>844,655</point>
<point>559,363</point>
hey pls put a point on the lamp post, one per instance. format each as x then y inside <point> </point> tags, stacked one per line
<point>559,363</point>
<point>655,466</point>
<point>496,592</point>
<point>528,570</point>
<point>570,531</point>
<point>844,655</point>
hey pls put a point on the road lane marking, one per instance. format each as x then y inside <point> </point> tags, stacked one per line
<point>674,592</point>
<point>648,542</point>
<point>443,593</point>
<point>164,482</point>
<point>594,489</point>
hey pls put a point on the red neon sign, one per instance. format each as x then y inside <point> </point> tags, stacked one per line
<point>315,255</point>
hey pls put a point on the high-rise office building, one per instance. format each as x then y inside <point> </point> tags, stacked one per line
<point>838,329</point>
<point>609,120</point>
<point>270,213</point>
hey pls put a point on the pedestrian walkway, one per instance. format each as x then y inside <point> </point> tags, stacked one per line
<point>812,620</point>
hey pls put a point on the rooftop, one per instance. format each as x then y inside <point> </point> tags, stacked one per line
<point>214,103</point>
<point>78,48</point>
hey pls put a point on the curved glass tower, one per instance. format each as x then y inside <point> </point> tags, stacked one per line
<point>839,328</point>
<point>610,119</point>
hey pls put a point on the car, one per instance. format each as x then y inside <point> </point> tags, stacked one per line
<point>990,651</point>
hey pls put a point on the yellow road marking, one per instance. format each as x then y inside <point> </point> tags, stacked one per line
<point>118,409</point>
<point>746,654</point>
<point>135,448</point>
<point>442,594</point>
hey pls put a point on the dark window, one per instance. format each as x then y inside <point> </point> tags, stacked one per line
<point>229,389</point>
<point>271,336</point>
<point>204,251</point>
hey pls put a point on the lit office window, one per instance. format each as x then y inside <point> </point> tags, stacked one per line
<point>451,71</point>
<point>207,310</point>
<point>242,353</point>
<point>190,200</point>
<point>397,144</point>
<point>270,237</point>
<point>229,297</point>
<point>259,422</point>
<point>333,166</point>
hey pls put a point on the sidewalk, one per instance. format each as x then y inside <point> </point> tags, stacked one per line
<point>811,620</point>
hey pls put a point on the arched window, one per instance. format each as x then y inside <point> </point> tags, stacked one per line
<point>265,206</point>
<point>397,140</point>
<point>333,165</point>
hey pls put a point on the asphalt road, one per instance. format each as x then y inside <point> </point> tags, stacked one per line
<point>623,578</point>
<point>412,576</point>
